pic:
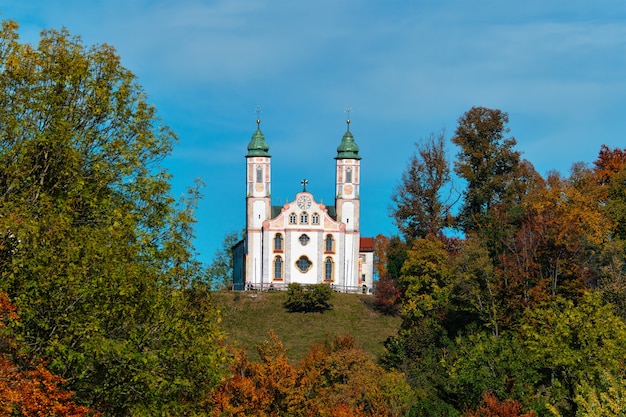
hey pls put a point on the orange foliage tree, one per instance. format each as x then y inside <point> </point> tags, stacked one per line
<point>609,163</point>
<point>334,379</point>
<point>493,407</point>
<point>27,388</point>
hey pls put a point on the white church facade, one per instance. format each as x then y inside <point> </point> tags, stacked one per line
<point>303,241</point>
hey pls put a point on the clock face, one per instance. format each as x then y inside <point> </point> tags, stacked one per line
<point>304,202</point>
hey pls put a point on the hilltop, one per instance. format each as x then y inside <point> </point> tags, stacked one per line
<point>249,317</point>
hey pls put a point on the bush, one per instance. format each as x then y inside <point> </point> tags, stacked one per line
<point>307,299</point>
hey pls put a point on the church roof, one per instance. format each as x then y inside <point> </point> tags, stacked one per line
<point>348,149</point>
<point>258,146</point>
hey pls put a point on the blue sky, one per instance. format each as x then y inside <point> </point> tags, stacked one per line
<point>407,68</point>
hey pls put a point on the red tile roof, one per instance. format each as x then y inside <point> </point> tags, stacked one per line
<point>367,244</point>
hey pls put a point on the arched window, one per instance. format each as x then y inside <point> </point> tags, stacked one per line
<point>303,263</point>
<point>330,243</point>
<point>278,268</point>
<point>348,174</point>
<point>304,218</point>
<point>278,242</point>
<point>328,269</point>
<point>293,219</point>
<point>259,174</point>
<point>315,218</point>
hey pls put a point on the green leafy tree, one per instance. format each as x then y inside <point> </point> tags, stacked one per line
<point>486,160</point>
<point>419,205</point>
<point>476,288</point>
<point>606,398</point>
<point>220,271</point>
<point>94,252</point>
<point>612,280</point>
<point>569,344</point>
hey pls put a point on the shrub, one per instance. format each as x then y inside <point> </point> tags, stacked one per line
<point>310,298</point>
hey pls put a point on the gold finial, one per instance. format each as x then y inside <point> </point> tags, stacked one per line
<point>258,110</point>
<point>348,110</point>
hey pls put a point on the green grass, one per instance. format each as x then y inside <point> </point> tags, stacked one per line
<point>248,318</point>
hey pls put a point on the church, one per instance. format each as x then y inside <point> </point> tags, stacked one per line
<point>303,241</point>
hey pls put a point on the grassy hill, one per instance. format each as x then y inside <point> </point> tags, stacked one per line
<point>249,317</point>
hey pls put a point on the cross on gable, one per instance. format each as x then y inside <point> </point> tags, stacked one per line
<point>304,183</point>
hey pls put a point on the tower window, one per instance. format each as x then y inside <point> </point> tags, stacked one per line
<point>348,174</point>
<point>303,263</point>
<point>278,268</point>
<point>304,218</point>
<point>278,242</point>
<point>330,243</point>
<point>293,219</point>
<point>328,269</point>
<point>259,174</point>
<point>304,240</point>
<point>315,218</point>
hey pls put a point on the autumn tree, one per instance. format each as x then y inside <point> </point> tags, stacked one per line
<point>422,201</point>
<point>27,388</point>
<point>493,407</point>
<point>94,251</point>
<point>333,379</point>
<point>609,163</point>
<point>387,290</point>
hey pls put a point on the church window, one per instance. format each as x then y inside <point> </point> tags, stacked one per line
<point>328,269</point>
<point>278,242</point>
<point>330,243</point>
<point>348,174</point>
<point>304,218</point>
<point>293,219</point>
<point>259,174</point>
<point>303,263</point>
<point>315,218</point>
<point>304,240</point>
<point>278,268</point>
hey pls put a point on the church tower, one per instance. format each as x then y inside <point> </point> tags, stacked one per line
<point>258,202</point>
<point>347,180</point>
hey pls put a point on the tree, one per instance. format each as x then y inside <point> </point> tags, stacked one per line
<point>487,162</point>
<point>609,163</point>
<point>492,407</point>
<point>387,292</point>
<point>27,388</point>
<point>569,344</point>
<point>476,287</point>
<point>419,205</point>
<point>607,398</point>
<point>94,251</point>
<point>220,271</point>
<point>612,280</point>
<point>333,379</point>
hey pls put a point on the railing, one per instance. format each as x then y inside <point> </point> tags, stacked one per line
<point>275,286</point>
